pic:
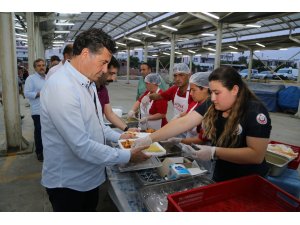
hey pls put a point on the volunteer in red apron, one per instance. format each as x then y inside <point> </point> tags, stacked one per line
<point>178,93</point>
<point>153,112</point>
<point>199,90</point>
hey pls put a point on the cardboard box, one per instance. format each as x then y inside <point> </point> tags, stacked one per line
<point>192,167</point>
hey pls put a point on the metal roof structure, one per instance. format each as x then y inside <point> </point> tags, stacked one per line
<point>194,31</point>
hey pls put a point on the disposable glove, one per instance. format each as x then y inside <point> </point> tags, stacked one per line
<point>142,142</point>
<point>134,129</point>
<point>143,120</point>
<point>174,140</point>
<point>131,114</point>
<point>205,152</point>
<point>145,100</point>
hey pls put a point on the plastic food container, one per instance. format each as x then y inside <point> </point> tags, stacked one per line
<point>154,197</point>
<point>155,148</point>
<point>294,163</point>
<point>277,163</point>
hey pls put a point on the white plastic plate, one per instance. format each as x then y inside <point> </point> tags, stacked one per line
<point>155,149</point>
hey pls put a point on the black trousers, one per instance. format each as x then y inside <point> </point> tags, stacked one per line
<point>69,200</point>
<point>37,134</point>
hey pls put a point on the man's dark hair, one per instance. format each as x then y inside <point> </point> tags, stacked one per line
<point>114,63</point>
<point>94,39</point>
<point>54,58</point>
<point>68,49</point>
<point>147,64</point>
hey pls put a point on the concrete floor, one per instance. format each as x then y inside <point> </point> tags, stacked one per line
<point>20,188</point>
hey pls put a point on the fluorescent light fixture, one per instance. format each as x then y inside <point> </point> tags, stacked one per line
<point>253,25</point>
<point>62,31</point>
<point>19,28</point>
<point>117,47</point>
<point>283,49</point>
<point>191,51</point>
<point>119,43</point>
<point>211,15</point>
<point>211,49</point>
<point>64,24</point>
<point>21,39</point>
<point>165,53</point>
<point>57,45</point>
<point>58,42</point>
<point>198,55</point>
<point>256,51</point>
<point>148,34</point>
<point>164,43</point>
<point>260,45</point>
<point>22,35</point>
<point>212,54</point>
<point>208,34</point>
<point>233,52</point>
<point>154,55</point>
<point>134,39</point>
<point>230,46</point>
<point>178,53</point>
<point>170,28</point>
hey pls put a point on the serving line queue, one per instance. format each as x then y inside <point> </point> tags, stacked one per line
<point>235,124</point>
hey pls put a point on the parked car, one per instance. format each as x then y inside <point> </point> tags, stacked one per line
<point>244,73</point>
<point>263,75</point>
<point>286,74</point>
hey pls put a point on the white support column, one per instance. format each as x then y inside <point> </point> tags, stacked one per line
<point>145,58</point>
<point>39,46</point>
<point>218,45</point>
<point>10,91</point>
<point>298,113</point>
<point>250,64</point>
<point>31,41</point>
<point>191,62</point>
<point>128,64</point>
<point>157,64</point>
<point>172,57</point>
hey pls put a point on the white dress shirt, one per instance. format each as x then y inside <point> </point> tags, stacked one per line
<point>53,69</point>
<point>34,84</point>
<point>75,154</point>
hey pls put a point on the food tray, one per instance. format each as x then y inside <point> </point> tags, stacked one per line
<point>294,163</point>
<point>152,162</point>
<point>149,177</point>
<point>246,194</point>
<point>160,151</point>
<point>171,149</point>
<point>154,196</point>
<point>277,163</point>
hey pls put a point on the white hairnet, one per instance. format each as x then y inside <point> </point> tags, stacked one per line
<point>200,79</point>
<point>153,78</point>
<point>181,68</point>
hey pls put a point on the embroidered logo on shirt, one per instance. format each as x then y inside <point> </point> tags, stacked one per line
<point>261,119</point>
<point>239,130</point>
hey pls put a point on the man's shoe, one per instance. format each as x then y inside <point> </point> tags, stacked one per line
<point>40,157</point>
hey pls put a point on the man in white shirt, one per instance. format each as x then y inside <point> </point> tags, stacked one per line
<point>67,53</point>
<point>73,131</point>
<point>33,86</point>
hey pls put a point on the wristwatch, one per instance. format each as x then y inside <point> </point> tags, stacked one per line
<point>126,129</point>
